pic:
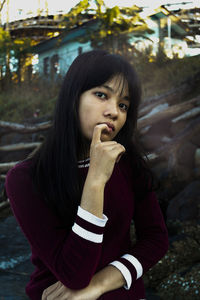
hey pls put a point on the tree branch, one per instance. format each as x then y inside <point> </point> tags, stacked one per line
<point>25,128</point>
<point>2,5</point>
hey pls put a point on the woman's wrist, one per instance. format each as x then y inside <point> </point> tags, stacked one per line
<point>97,286</point>
<point>108,279</point>
<point>92,198</point>
<point>96,180</point>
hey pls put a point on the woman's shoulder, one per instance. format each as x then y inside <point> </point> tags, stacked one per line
<point>18,172</point>
<point>19,184</point>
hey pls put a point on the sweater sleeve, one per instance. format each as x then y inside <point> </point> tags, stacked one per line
<point>72,257</point>
<point>152,240</point>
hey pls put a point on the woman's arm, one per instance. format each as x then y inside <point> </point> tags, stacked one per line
<point>151,246</point>
<point>152,240</point>
<point>107,279</point>
<point>72,256</point>
<point>103,156</point>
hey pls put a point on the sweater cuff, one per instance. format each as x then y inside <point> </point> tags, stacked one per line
<point>130,267</point>
<point>89,226</point>
<point>86,215</point>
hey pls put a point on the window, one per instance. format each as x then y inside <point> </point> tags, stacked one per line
<point>80,50</point>
<point>55,67</point>
<point>46,66</point>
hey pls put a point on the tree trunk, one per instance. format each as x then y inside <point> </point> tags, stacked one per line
<point>8,72</point>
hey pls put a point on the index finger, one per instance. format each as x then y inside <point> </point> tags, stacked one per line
<point>96,138</point>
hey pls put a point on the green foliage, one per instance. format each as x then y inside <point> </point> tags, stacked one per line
<point>161,57</point>
<point>5,43</point>
<point>112,22</point>
<point>77,14</point>
<point>19,102</point>
<point>21,46</point>
<point>157,79</point>
<point>99,4</point>
<point>15,51</point>
<point>116,22</point>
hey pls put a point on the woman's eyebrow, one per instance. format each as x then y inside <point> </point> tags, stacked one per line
<point>111,90</point>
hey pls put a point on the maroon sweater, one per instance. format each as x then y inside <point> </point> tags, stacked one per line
<point>92,243</point>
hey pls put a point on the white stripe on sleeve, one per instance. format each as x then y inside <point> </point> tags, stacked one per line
<point>87,235</point>
<point>135,262</point>
<point>87,216</point>
<point>125,272</point>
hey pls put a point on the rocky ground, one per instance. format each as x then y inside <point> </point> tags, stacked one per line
<point>15,266</point>
<point>169,128</point>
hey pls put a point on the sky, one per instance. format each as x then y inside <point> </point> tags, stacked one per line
<point>19,9</point>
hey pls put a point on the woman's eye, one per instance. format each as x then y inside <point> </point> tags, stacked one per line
<point>101,95</point>
<point>123,106</point>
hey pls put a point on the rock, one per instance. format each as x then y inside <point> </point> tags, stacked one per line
<point>197,157</point>
<point>151,142</point>
<point>160,128</point>
<point>186,155</point>
<point>13,283</point>
<point>184,173</point>
<point>14,138</point>
<point>195,140</point>
<point>185,206</point>
<point>15,264</point>
<point>175,128</point>
<point>197,162</point>
<point>16,244</point>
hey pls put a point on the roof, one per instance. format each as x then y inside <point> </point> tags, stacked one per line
<point>65,37</point>
<point>68,35</point>
<point>177,26</point>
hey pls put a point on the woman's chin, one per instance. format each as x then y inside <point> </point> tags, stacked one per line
<point>106,138</point>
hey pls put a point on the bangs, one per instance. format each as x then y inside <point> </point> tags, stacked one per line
<point>104,68</point>
<point>121,84</point>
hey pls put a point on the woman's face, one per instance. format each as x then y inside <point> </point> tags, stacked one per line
<point>104,104</point>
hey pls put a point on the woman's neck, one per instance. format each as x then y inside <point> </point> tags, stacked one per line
<point>84,150</point>
<point>84,156</point>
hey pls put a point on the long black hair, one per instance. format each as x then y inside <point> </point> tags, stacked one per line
<point>54,168</point>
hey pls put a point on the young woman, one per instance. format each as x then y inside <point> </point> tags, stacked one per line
<point>76,197</point>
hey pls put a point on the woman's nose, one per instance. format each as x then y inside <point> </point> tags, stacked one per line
<point>111,109</point>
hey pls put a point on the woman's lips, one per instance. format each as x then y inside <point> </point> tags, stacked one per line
<point>111,127</point>
<point>107,130</point>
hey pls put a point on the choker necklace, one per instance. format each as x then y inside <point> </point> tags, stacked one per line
<point>84,163</point>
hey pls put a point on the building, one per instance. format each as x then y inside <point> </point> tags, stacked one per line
<point>168,31</point>
<point>56,54</point>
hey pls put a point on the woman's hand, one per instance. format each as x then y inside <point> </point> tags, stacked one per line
<point>103,155</point>
<point>105,280</point>
<point>60,292</point>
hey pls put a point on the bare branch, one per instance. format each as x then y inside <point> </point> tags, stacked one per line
<point>4,167</point>
<point>174,145</point>
<point>4,204</point>
<point>2,5</point>
<point>19,146</point>
<point>170,112</point>
<point>191,129</point>
<point>25,128</point>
